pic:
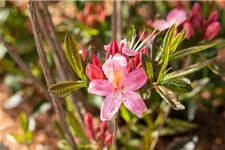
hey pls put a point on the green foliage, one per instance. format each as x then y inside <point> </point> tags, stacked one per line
<point>75,127</point>
<point>27,134</point>
<point>170,97</point>
<point>190,51</point>
<point>188,70</point>
<point>147,65</point>
<point>177,85</point>
<point>63,89</point>
<point>166,52</point>
<point>177,40</point>
<point>73,56</point>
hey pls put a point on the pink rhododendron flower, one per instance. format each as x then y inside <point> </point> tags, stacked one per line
<point>175,16</point>
<point>120,87</point>
<point>212,30</point>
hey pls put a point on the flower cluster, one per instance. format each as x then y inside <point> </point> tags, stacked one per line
<point>197,23</point>
<point>100,135</point>
<point>92,14</point>
<point>194,24</point>
<point>118,78</point>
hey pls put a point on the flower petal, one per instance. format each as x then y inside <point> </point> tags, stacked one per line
<point>176,16</point>
<point>135,79</point>
<point>115,69</point>
<point>110,106</point>
<point>134,103</point>
<point>100,87</point>
<point>160,24</point>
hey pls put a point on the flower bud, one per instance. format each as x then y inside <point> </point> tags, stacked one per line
<point>84,54</point>
<point>112,49</point>
<point>189,30</point>
<point>213,17</point>
<point>212,30</point>
<point>196,9</point>
<point>88,121</point>
<point>103,127</point>
<point>95,60</point>
<point>88,9</point>
<point>93,72</point>
<point>108,139</point>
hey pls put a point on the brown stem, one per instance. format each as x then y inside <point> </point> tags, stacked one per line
<point>116,35</point>
<point>13,53</point>
<point>154,142</point>
<point>48,77</point>
<point>64,67</point>
<point>115,127</point>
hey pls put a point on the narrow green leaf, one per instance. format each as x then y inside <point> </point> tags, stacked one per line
<point>190,51</point>
<point>125,114</point>
<point>157,42</point>
<point>170,97</point>
<point>177,40</point>
<point>59,130</point>
<point>177,85</point>
<point>75,126</point>
<point>17,137</point>
<point>23,122</point>
<point>63,89</point>
<point>188,70</point>
<point>73,56</point>
<point>147,65</point>
<point>166,52</point>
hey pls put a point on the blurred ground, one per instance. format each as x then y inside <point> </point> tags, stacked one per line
<point>45,134</point>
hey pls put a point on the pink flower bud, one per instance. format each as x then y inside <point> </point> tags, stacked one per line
<point>84,54</point>
<point>213,17</point>
<point>196,9</point>
<point>93,72</point>
<point>108,139</point>
<point>90,20</point>
<point>212,30</point>
<point>99,136</point>
<point>103,127</point>
<point>189,30</point>
<point>112,49</point>
<point>88,121</point>
<point>95,60</point>
<point>88,9</point>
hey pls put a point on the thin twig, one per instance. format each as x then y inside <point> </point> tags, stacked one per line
<point>154,142</point>
<point>115,127</point>
<point>48,77</point>
<point>13,53</point>
<point>116,35</point>
<point>66,71</point>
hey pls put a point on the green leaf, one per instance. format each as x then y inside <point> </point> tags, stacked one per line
<point>170,97</point>
<point>147,65</point>
<point>59,130</point>
<point>75,126</point>
<point>23,122</point>
<point>73,56</point>
<point>188,70</point>
<point>17,137</point>
<point>125,114</point>
<point>166,52</point>
<point>63,89</point>
<point>177,85</point>
<point>29,136</point>
<point>190,51</point>
<point>177,40</point>
<point>157,42</point>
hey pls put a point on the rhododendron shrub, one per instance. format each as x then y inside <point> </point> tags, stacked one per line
<point>127,68</point>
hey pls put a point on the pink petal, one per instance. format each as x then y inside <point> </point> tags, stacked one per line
<point>110,106</point>
<point>127,51</point>
<point>115,69</point>
<point>134,103</point>
<point>100,87</point>
<point>135,79</point>
<point>176,16</point>
<point>160,24</point>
